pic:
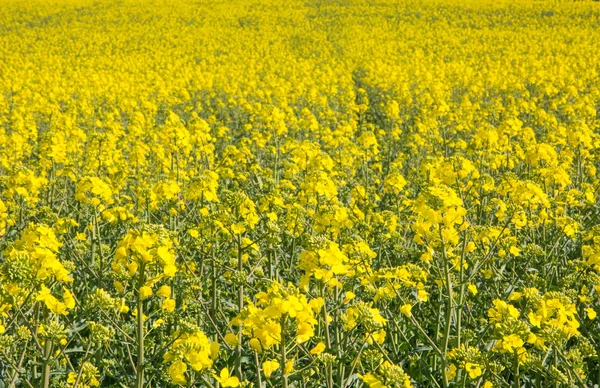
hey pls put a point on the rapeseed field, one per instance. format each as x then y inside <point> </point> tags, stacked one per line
<point>299,193</point>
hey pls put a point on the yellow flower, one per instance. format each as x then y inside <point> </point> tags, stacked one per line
<point>231,339</point>
<point>157,323</point>
<point>226,380</point>
<point>406,310</point>
<point>215,348</point>
<point>68,298</point>
<point>305,332</point>
<point>269,367</point>
<point>255,344</point>
<point>238,228</point>
<point>534,319</point>
<point>473,370</point>
<point>168,305</point>
<point>511,342</point>
<point>515,296</point>
<point>71,377</point>
<point>422,296</point>
<point>177,372</point>
<point>145,292</point>
<point>119,286</point>
<point>318,349</point>
<point>349,296</point>
<point>451,372</point>
<point>123,308</point>
<point>591,313</point>
<point>502,311</point>
<point>170,270</point>
<point>164,291</point>
<point>289,367</point>
<point>472,288</point>
<point>378,336</point>
<point>372,381</point>
<point>51,302</point>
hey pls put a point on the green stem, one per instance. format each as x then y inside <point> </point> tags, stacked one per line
<point>238,360</point>
<point>449,307</point>
<point>461,296</point>
<point>46,367</point>
<point>325,317</point>
<point>555,359</point>
<point>213,306</point>
<point>139,381</point>
<point>258,376</point>
<point>516,369</point>
<point>283,353</point>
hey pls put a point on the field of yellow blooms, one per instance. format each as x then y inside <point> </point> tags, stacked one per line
<point>299,193</point>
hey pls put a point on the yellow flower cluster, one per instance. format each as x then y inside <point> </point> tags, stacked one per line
<point>266,321</point>
<point>193,349</point>
<point>299,193</point>
<point>144,250</point>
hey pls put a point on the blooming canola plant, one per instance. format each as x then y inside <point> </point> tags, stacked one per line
<point>263,193</point>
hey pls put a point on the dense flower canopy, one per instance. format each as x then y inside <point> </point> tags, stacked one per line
<point>311,193</point>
